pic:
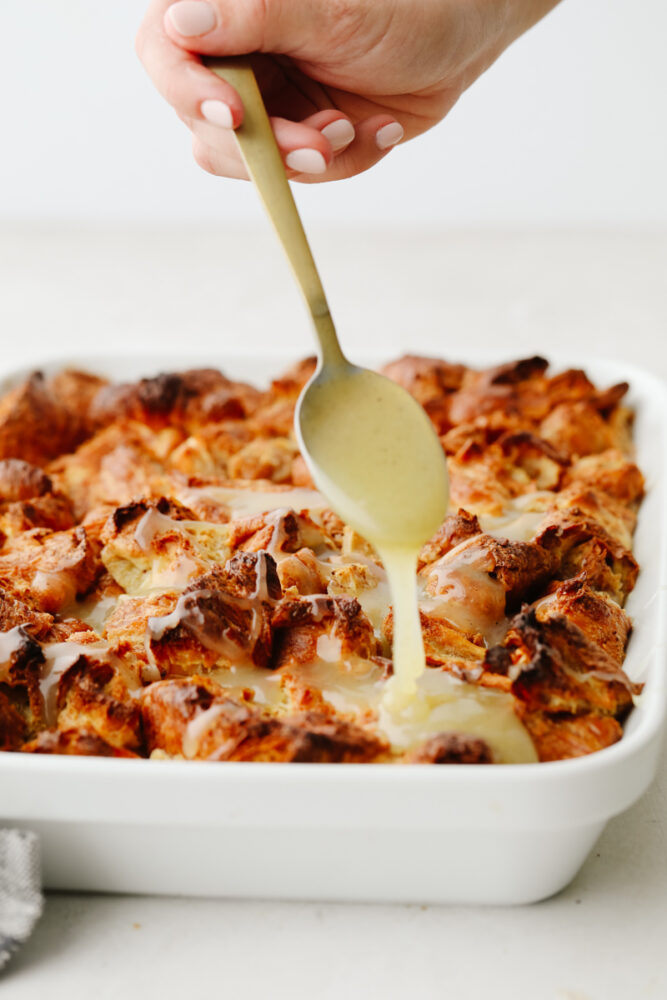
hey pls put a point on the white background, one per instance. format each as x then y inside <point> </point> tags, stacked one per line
<point>568,127</point>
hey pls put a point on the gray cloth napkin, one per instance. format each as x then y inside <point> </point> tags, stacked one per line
<point>20,893</point>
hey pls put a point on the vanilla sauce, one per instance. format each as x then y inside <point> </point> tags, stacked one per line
<point>376,458</point>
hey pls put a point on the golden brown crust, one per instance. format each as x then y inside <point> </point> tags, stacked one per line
<point>264,458</point>
<point>93,695</point>
<point>53,512</point>
<point>13,726</point>
<point>126,568</point>
<point>274,417</point>
<point>494,574</point>
<point>21,658</point>
<point>34,426</point>
<point>195,719</point>
<point>595,613</point>
<point>301,622</point>
<point>77,742</point>
<point>591,504</point>
<point>76,391</point>
<point>20,480</point>
<point>431,381</point>
<point>158,544</point>
<point>456,528</point>
<point>302,573</point>
<point>129,618</point>
<point>450,748</point>
<point>185,399</point>
<point>120,463</point>
<point>577,429</point>
<point>28,500</point>
<point>555,668</point>
<point>560,737</point>
<point>14,613</point>
<point>610,472</point>
<point>583,548</point>
<point>447,646</point>
<point>222,617</point>
<point>49,569</point>
<point>513,388</point>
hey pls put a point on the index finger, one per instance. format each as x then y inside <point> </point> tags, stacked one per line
<point>179,75</point>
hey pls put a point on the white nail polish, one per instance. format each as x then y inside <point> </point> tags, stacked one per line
<point>339,133</point>
<point>217,113</point>
<point>389,135</point>
<point>306,161</point>
<point>191,17</point>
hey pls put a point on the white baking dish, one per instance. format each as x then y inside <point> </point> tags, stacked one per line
<point>485,834</point>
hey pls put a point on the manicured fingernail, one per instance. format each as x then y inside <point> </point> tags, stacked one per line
<point>306,161</point>
<point>192,17</point>
<point>217,113</point>
<point>389,135</point>
<point>339,133</point>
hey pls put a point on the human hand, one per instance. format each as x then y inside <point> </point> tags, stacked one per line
<point>343,80</point>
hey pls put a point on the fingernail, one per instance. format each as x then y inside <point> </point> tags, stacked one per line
<point>217,113</point>
<point>192,17</point>
<point>389,135</point>
<point>339,133</point>
<point>306,161</point>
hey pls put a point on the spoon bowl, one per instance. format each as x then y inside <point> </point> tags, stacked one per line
<point>373,453</point>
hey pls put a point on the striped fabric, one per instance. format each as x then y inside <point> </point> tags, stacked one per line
<point>20,896</point>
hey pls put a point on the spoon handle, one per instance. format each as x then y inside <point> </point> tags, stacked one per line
<point>265,166</point>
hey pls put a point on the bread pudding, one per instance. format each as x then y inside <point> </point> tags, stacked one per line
<point>173,586</point>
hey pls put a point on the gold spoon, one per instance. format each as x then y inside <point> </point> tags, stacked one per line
<point>369,446</point>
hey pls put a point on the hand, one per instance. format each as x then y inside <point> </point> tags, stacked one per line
<point>343,80</point>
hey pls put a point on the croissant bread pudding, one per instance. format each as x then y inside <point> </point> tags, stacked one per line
<point>172,586</point>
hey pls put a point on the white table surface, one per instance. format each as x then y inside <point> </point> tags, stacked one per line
<point>68,289</point>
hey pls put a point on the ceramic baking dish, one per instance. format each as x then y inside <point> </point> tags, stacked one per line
<point>418,833</point>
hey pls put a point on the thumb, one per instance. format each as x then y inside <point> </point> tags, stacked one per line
<point>227,27</point>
